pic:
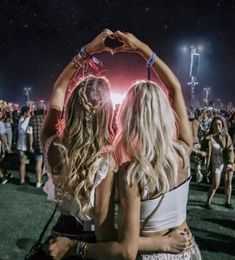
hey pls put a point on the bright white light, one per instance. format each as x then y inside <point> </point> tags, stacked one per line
<point>200,47</point>
<point>184,49</point>
<point>117,98</point>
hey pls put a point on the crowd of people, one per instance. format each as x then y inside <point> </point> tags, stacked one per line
<point>143,158</point>
<point>20,133</point>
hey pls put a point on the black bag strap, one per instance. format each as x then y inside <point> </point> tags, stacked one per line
<point>152,213</point>
<point>38,242</point>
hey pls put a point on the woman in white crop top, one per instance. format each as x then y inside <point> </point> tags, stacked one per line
<point>81,169</point>
<point>153,147</point>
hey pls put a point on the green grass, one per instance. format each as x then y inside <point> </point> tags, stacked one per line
<point>25,210</point>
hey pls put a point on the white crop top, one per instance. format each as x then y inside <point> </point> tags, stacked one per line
<point>171,213</point>
<point>172,210</point>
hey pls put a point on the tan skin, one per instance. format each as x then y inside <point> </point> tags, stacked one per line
<point>127,241</point>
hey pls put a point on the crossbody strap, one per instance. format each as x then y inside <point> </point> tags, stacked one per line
<point>46,226</point>
<point>152,213</point>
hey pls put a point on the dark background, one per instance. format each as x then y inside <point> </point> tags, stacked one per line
<point>38,38</point>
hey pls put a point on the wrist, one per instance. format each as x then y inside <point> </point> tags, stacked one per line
<point>89,50</point>
<point>164,245</point>
<point>72,247</point>
<point>145,51</point>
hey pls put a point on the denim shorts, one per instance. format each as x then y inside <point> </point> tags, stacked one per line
<point>38,155</point>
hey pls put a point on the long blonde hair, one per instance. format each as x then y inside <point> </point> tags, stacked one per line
<point>88,129</point>
<point>146,138</point>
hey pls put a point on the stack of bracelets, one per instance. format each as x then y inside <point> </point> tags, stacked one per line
<point>81,249</point>
<point>88,60</point>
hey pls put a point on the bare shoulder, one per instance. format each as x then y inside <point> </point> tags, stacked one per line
<point>183,162</point>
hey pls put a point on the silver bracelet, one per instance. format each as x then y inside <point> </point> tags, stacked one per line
<point>81,249</point>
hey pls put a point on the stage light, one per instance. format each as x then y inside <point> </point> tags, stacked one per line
<point>117,98</point>
<point>200,47</point>
<point>184,49</point>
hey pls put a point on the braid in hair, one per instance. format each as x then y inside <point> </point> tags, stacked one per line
<point>86,132</point>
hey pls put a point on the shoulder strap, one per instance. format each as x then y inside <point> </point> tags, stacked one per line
<point>152,213</point>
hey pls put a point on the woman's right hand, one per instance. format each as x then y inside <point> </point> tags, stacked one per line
<point>178,241</point>
<point>130,42</point>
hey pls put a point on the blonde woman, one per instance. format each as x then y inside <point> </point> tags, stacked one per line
<point>77,147</point>
<point>141,152</point>
<point>153,147</point>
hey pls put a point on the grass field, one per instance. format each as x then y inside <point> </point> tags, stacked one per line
<point>24,210</point>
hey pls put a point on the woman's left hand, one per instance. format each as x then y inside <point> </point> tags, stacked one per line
<point>98,44</point>
<point>61,246</point>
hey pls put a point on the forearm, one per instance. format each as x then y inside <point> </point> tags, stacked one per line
<point>61,85</point>
<point>107,235</point>
<point>3,139</point>
<point>153,243</point>
<point>161,69</point>
<point>30,139</point>
<point>103,251</point>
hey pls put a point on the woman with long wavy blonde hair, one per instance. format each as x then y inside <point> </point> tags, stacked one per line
<point>76,135</point>
<point>146,137</point>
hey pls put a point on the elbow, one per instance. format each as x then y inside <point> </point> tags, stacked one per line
<point>129,253</point>
<point>190,147</point>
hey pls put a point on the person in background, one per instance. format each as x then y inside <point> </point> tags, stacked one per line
<point>15,121</point>
<point>194,124</point>
<point>218,148</point>
<point>8,125</point>
<point>35,146</point>
<point>4,148</point>
<point>22,144</point>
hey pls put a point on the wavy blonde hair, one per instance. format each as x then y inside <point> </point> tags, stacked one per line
<point>88,129</point>
<point>146,138</point>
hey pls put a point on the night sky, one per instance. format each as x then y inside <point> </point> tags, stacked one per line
<point>38,38</point>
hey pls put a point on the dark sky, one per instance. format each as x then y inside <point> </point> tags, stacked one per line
<point>38,38</point>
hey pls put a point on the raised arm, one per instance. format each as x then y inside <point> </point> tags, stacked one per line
<point>56,103</point>
<point>132,44</point>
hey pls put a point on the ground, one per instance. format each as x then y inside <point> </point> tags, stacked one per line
<point>24,210</point>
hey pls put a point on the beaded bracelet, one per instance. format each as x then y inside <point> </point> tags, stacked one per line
<point>81,249</point>
<point>150,63</point>
<point>76,62</point>
<point>91,59</point>
<point>83,53</point>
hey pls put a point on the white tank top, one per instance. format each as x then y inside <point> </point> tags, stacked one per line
<point>172,210</point>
